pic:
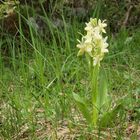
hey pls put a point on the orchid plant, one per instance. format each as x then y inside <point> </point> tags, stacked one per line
<point>94,45</point>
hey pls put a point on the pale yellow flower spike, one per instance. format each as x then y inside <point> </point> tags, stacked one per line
<point>93,42</point>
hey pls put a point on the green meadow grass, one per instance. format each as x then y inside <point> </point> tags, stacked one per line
<point>39,73</point>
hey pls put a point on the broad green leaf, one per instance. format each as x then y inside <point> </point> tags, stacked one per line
<point>108,118</point>
<point>103,98</point>
<point>82,107</point>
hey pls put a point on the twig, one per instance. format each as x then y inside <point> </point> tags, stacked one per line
<point>127,16</point>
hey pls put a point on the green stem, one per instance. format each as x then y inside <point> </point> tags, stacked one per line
<point>94,70</point>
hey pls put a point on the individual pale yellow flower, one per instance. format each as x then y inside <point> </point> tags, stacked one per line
<point>102,25</point>
<point>91,25</point>
<point>84,47</point>
<point>104,45</point>
<point>88,38</point>
<point>97,36</point>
